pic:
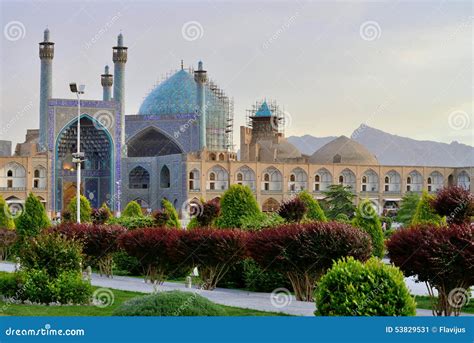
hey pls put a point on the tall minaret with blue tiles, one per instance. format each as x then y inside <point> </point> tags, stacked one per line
<point>119,57</point>
<point>200,76</point>
<point>46,54</point>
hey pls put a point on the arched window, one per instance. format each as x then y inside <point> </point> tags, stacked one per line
<point>392,182</point>
<point>435,181</point>
<point>212,156</point>
<point>272,180</point>
<point>10,173</point>
<point>138,178</point>
<point>221,157</point>
<point>429,180</point>
<point>292,178</point>
<point>408,180</point>
<point>322,180</point>
<point>13,175</point>
<point>245,176</point>
<point>194,183</point>
<point>347,178</point>
<point>165,178</point>
<point>36,173</point>
<point>341,179</point>
<point>414,181</point>
<point>217,179</point>
<point>370,181</point>
<point>298,180</point>
<point>463,180</point>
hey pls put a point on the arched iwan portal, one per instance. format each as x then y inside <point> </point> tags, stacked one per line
<point>151,142</point>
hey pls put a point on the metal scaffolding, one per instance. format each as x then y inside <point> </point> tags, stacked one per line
<point>276,112</point>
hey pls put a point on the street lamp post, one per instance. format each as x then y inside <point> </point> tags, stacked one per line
<point>78,157</point>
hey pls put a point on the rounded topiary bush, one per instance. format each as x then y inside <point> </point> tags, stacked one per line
<point>174,303</point>
<point>353,288</point>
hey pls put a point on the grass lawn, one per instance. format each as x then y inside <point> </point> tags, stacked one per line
<point>119,297</point>
<point>424,302</point>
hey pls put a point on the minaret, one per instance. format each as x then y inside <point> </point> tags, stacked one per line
<point>46,54</point>
<point>119,57</point>
<point>106,79</point>
<point>200,76</point>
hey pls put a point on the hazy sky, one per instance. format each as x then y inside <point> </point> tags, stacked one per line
<point>403,67</point>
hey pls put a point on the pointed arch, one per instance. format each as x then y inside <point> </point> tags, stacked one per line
<point>298,180</point>
<point>139,178</point>
<point>270,205</point>
<point>463,180</point>
<point>165,177</point>
<point>435,181</point>
<point>272,180</point>
<point>245,176</point>
<point>414,181</point>
<point>151,142</point>
<point>194,180</point>
<point>322,180</point>
<point>392,182</point>
<point>370,181</point>
<point>13,176</point>
<point>347,178</point>
<point>217,178</point>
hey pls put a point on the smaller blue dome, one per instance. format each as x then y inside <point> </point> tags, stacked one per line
<point>176,95</point>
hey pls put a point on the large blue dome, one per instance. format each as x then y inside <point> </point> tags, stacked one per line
<point>175,95</point>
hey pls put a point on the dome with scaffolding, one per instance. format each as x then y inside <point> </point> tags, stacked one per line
<point>177,94</point>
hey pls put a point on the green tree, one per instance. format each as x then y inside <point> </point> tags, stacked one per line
<point>368,220</point>
<point>237,203</point>
<point>425,214</point>
<point>6,220</point>
<point>407,209</point>
<point>339,199</point>
<point>33,219</point>
<point>169,209</point>
<point>315,211</point>
<point>133,209</point>
<point>85,207</point>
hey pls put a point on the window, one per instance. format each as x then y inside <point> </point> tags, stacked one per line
<point>408,188</point>
<point>429,188</point>
<point>292,178</point>
<point>292,188</point>
<point>191,175</point>
<point>386,188</point>
<point>165,178</point>
<point>212,186</point>
<point>429,180</point>
<point>316,187</point>
<point>266,186</point>
<point>221,157</point>
<point>10,183</point>
<point>408,180</point>
<point>317,178</point>
<point>212,157</point>
<point>212,176</point>
<point>35,183</point>
<point>387,179</point>
<point>341,179</point>
<point>191,184</point>
<point>266,177</point>
<point>10,173</point>
<point>37,173</point>
<point>240,177</point>
<point>364,188</point>
<point>364,179</point>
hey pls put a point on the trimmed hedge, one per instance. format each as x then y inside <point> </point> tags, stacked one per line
<point>174,303</point>
<point>352,288</point>
<point>236,203</point>
<point>368,220</point>
<point>303,252</point>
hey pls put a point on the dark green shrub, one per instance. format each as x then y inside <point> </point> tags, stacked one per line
<point>236,203</point>
<point>259,280</point>
<point>133,209</point>
<point>85,208</point>
<point>51,253</point>
<point>315,212</point>
<point>8,284</point>
<point>36,286</point>
<point>260,221</point>
<point>125,264</point>
<point>367,219</point>
<point>353,288</point>
<point>174,303</point>
<point>33,219</point>
<point>133,223</point>
<point>69,287</point>
<point>339,200</point>
<point>342,218</point>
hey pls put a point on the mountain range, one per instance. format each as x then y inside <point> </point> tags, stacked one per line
<point>396,150</point>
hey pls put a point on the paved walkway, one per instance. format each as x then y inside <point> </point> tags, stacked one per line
<point>230,297</point>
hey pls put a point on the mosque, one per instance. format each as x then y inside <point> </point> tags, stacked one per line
<point>179,146</point>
